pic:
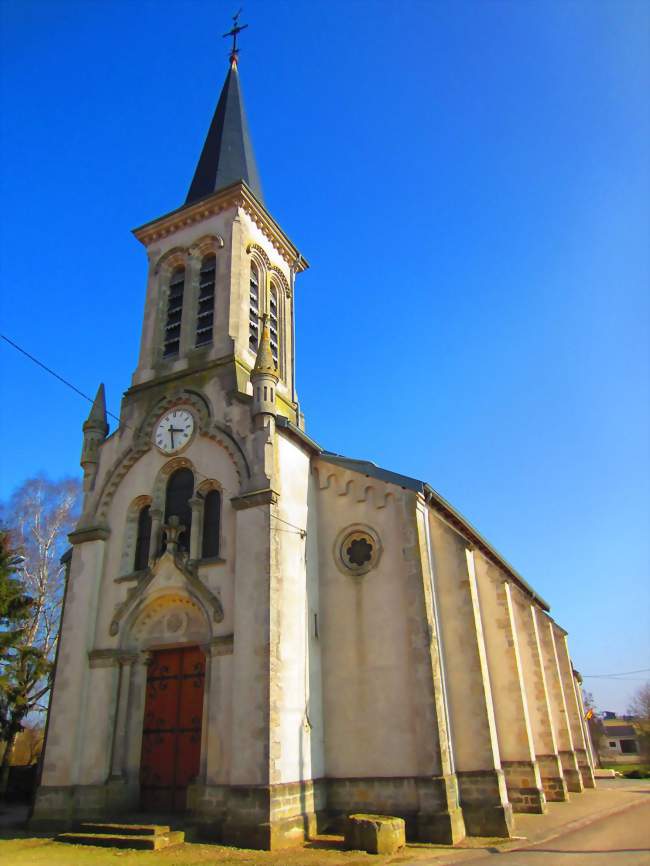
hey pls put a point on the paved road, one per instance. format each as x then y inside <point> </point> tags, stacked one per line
<point>619,840</point>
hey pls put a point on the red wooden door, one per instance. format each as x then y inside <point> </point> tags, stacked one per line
<point>171,734</point>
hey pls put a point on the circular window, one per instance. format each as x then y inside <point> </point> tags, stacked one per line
<point>357,550</point>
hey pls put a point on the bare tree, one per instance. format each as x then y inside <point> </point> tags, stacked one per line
<point>595,725</point>
<point>39,515</point>
<point>640,708</point>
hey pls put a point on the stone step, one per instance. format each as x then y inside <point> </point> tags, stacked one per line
<point>125,829</point>
<point>117,840</point>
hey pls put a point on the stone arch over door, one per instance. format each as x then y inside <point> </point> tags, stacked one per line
<point>168,696</point>
<point>167,618</point>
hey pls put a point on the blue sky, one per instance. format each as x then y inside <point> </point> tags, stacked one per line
<point>470,183</point>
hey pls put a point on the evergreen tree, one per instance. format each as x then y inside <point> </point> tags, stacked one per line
<point>15,604</point>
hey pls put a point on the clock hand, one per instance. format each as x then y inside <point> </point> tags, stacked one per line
<point>171,430</point>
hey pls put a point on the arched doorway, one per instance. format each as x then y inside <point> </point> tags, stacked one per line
<point>172,628</point>
<point>171,729</point>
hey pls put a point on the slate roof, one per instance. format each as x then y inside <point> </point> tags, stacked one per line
<point>371,470</point>
<point>227,156</point>
<point>619,731</point>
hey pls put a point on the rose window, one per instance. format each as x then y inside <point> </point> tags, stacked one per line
<point>357,550</point>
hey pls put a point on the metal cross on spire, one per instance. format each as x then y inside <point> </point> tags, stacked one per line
<point>236,30</point>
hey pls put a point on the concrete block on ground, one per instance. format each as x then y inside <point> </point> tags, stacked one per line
<point>376,834</point>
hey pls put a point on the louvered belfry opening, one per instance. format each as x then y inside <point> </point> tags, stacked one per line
<point>273,323</point>
<point>211,524</point>
<point>172,341</point>
<point>180,489</point>
<point>205,312</point>
<point>254,310</point>
<point>143,541</point>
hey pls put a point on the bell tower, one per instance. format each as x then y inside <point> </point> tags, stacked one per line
<point>181,558</point>
<point>217,266</point>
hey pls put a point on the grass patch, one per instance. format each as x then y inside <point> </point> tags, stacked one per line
<point>629,768</point>
<point>19,850</point>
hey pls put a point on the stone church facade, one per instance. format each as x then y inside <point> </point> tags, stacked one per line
<point>264,635</point>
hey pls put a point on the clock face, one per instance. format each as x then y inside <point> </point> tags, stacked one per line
<point>174,430</point>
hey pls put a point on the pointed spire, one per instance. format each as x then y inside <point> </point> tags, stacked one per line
<point>227,155</point>
<point>97,419</point>
<point>265,363</point>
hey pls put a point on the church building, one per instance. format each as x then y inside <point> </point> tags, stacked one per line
<point>262,635</point>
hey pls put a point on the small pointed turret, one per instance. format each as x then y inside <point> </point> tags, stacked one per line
<point>95,430</point>
<point>264,376</point>
<point>265,362</point>
<point>227,155</point>
<point>97,418</point>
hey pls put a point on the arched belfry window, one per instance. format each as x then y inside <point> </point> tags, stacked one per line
<point>172,338</point>
<point>143,540</point>
<point>180,489</point>
<point>211,524</point>
<point>274,323</point>
<point>205,312</point>
<point>254,308</point>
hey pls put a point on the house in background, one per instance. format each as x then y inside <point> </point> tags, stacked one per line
<point>620,741</point>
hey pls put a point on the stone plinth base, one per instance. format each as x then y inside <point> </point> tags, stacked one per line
<point>62,806</point>
<point>435,809</point>
<point>376,834</point>
<point>268,817</point>
<point>553,782</point>
<point>429,804</point>
<point>524,784</point>
<point>279,816</point>
<point>571,771</point>
<point>484,801</point>
<point>586,770</point>
<point>268,835</point>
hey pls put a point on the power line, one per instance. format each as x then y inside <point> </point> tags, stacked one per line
<point>614,676</point>
<point>52,373</point>
<point>298,529</point>
<point>303,532</point>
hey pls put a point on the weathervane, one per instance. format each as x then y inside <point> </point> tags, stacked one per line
<point>236,29</point>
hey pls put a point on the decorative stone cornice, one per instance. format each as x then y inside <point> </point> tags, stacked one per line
<point>107,658</point>
<point>221,645</point>
<point>179,375</point>
<point>257,497</point>
<point>89,533</point>
<point>237,195</point>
